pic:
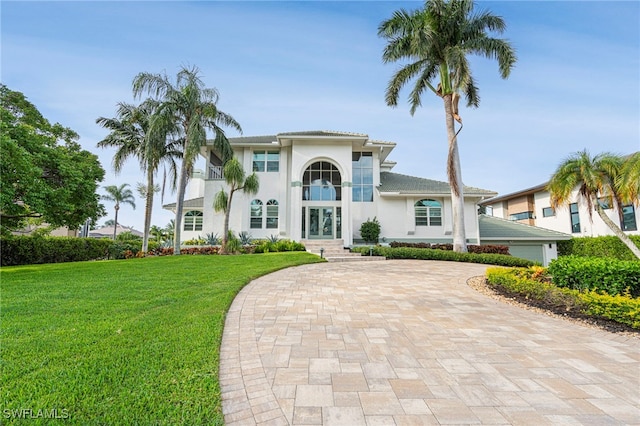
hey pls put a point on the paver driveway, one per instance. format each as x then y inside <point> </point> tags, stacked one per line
<point>408,342</point>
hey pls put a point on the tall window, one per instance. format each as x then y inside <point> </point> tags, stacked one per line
<point>193,221</point>
<point>266,161</point>
<point>629,218</point>
<point>321,182</point>
<point>256,214</point>
<point>362,166</point>
<point>575,218</point>
<point>272,214</point>
<point>428,213</point>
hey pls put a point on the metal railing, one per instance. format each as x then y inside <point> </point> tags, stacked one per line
<point>215,173</point>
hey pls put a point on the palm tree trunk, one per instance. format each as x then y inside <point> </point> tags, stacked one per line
<point>115,225</point>
<point>227,213</point>
<point>616,230</point>
<point>182,185</point>
<point>455,180</point>
<point>147,211</point>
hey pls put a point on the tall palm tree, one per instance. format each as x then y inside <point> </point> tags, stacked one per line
<point>595,178</point>
<point>120,195</point>
<point>187,110</point>
<point>130,135</point>
<point>235,177</point>
<point>436,41</point>
<point>628,182</point>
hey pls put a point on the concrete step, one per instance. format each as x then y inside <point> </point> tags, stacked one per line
<point>334,251</point>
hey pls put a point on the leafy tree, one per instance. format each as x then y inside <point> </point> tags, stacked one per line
<point>436,41</point>
<point>131,136</point>
<point>109,222</point>
<point>120,195</point>
<point>44,173</point>
<point>235,177</point>
<point>595,177</point>
<point>187,109</point>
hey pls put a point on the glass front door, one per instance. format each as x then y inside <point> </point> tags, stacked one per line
<point>321,223</point>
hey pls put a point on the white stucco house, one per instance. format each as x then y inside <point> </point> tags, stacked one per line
<point>322,185</point>
<point>532,206</point>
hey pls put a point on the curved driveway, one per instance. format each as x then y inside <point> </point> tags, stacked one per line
<point>408,342</point>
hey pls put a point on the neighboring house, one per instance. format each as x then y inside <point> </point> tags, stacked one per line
<point>58,232</point>
<point>322,185</point>
<point>532,206</point>
<point>107,231</point>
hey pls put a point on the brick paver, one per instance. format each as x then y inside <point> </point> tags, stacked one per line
<point>408,342</point>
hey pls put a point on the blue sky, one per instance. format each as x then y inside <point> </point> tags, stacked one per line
<point>290,66</point>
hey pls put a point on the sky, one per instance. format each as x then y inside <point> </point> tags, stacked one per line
<point>283,66</point>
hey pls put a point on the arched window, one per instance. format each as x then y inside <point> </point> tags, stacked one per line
<point>428,213</point>
<point>256,214</point>
<point>322,182</point>
<point>193,221</point>
<point>272,214</point>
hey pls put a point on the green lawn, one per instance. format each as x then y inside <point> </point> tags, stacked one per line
<point>111,342</point>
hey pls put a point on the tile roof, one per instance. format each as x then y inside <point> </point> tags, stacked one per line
<point>192,203</point>
<point>323,133</point>
<point>251,139</point>
<point>495,228</point>
<point>395,182</point>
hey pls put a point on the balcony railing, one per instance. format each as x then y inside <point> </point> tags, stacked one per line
<point>215,173</point>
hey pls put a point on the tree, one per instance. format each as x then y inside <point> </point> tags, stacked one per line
<point>436,41</point>
<point>157,233</point>
<point>120,195</point>
<point>131,136</point>
<point>235,177</point>
<point>187,109</point>
<point>44,173</point>
<point>628,183</point>
<point>595,177</point>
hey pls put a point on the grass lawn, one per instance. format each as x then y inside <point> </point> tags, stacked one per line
<point>111,342</point>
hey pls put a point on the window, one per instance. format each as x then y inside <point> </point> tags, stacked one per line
<point>604,203</point>
<point>548,212</point>
<point>272,214</point>
<point>629,218</point>
<point>575,218</point>
<point>268,161</point>
<point>193,221</point>
<point>256,214</point>
<point>321,182</point>
<point>428,213</point>
<point>521,216</point>
<point>362,166</point>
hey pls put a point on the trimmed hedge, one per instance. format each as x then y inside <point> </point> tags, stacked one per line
<point>596,274</point>
<point>433,254</point>
<point>606,246</point>
<point>488,248</point>
<point>619,308</point>
<point>27,250</point>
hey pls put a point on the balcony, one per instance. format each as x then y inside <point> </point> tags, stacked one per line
<point>215,173</point>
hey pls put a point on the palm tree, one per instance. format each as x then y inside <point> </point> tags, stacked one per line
<point>130,135</point>
<point>187,109</point>
<point>628,182</point>
<point>120,195</point>
<point>595,178</point>
<point>436,41</point>
<point>157,233</point>
<point>234,176</point>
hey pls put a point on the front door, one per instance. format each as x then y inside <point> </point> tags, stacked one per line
<point>321,223</point>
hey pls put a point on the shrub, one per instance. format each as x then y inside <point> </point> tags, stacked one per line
<point>605,246</point>
<point>212,239</point>
<point>268,246</point>
<point>245,238</point>
<point>620,308</point>
<point>26,250</point>
<point>489,248</point>
<point>370,230</point>
<point>598,274</point>
<point>433,254</point>
<point>195,242</point>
